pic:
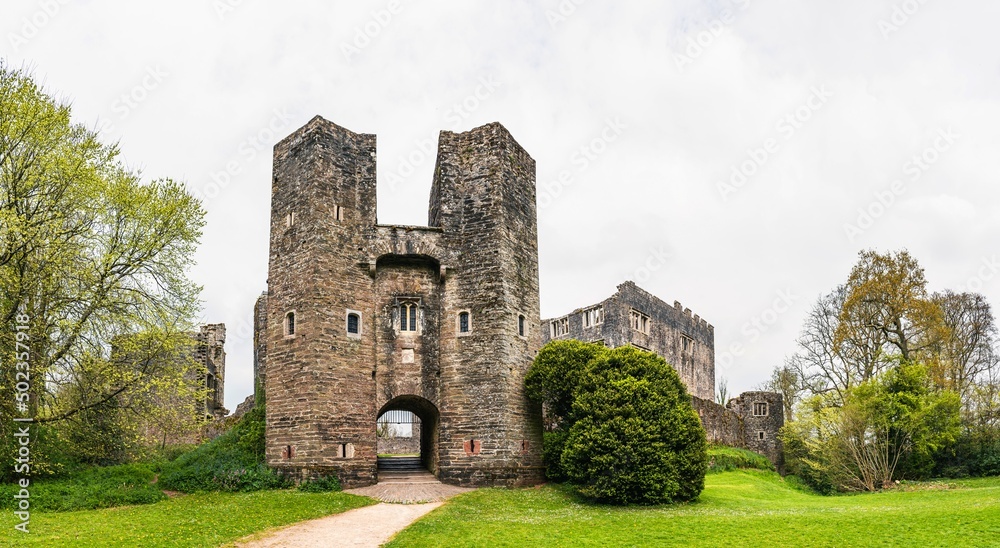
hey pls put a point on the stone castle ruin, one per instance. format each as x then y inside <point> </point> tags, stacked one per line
<point>363,320</point>
<point>635,317</point>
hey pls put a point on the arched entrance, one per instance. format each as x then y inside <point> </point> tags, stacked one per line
<point>408,415</point>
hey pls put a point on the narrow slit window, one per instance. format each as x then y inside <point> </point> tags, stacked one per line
<point>353,324</point>
<point>290,324</point>
<point>463,322</point>
<point>520,326</point>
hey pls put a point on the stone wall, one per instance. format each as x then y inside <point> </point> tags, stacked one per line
<point>763,415</point>
<point>737,425</point>
<point>722,426</point>
<point>331,264</point>
<point>210,353</point>
<point>259,341</point>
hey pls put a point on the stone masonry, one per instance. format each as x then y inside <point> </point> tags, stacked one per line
<point>210,352</point>
<point>363,318</point>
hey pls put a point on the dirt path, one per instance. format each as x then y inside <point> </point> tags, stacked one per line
<point>368,526</point>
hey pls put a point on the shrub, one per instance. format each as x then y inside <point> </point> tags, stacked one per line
<point>635,437</point>
<point>723,459</point>
<point>553,444</point>
<point>556,373</point>
<point>320,485</point>
<point>90,489</point>
<point>232,462</point>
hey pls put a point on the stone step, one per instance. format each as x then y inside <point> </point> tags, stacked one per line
<point>400,464</point>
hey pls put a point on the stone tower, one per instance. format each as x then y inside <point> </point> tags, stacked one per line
<point>362,318</point>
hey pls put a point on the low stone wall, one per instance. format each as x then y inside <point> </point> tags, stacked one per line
<point>399,446</point>
<point>751,421</point>
<point>722,425</point>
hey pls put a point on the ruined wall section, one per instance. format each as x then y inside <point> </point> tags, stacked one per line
<point>320,382</point>
<point>259,342</point>
<point>763,415</point>
<point>722,425</point>
<point>483,197</point>
<point>210,352</point>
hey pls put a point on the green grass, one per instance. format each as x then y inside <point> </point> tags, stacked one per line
<point>740,508</point>
<point>206,519</point>
<point>89,489</point>
<point>725,459</point>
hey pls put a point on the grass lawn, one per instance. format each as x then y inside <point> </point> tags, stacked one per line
<point>208,519</point>
<point>739,508</point>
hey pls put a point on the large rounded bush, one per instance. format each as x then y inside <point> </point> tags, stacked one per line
<point>556,372</point>
<point>635,438</point>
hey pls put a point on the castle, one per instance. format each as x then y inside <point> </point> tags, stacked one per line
<point>361,319</point>
<point>364,318</point>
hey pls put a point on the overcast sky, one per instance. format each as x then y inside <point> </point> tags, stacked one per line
<point>717,153</point>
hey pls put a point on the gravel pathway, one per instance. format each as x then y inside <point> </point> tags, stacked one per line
<point>371,525</point>
<point>368,526</point>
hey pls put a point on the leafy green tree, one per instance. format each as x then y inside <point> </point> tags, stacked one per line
<point>89,253</point>
<point>635,438</point>
<point>887,428</point>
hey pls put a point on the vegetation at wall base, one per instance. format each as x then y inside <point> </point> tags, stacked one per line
<point>325,484</point>
<point>232,462</point>
<point>722,458</point>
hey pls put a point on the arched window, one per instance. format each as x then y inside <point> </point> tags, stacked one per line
<point>520,325</point>
<point>464,325</point>
<point>408,316</point>
<point>353,324</point>
<point>289,324</point>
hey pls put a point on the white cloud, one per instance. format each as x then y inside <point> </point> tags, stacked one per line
<point>654,187</point>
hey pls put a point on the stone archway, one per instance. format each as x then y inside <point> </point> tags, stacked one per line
<point>429,417</point>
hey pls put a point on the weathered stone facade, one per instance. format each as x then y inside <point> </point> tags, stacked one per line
<point>259,340</point>
<point>751,421</point>
<point>210,352</point>
<point>363,318</point>
<point>763,415</point>
<point>686,341</point>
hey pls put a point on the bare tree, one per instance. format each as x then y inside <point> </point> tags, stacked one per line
<point>966,353</point>
<point>785,381</point>
<point>722,391</point>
